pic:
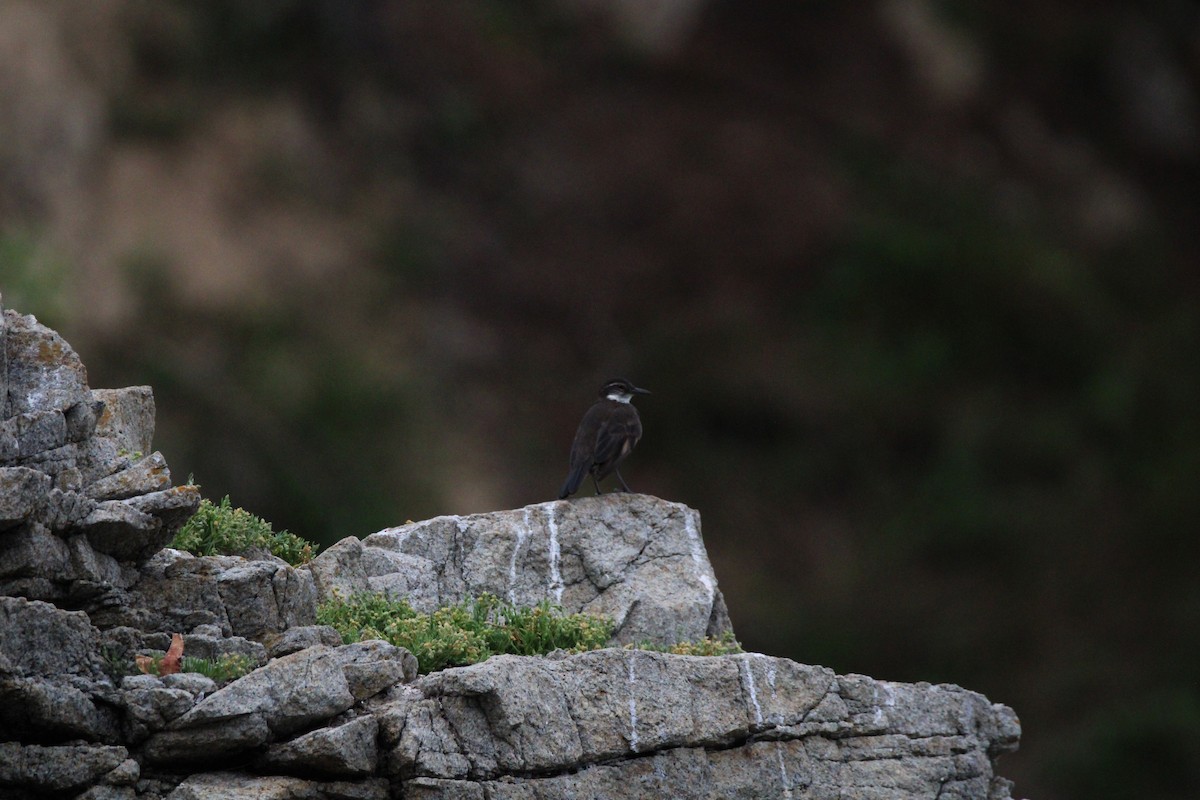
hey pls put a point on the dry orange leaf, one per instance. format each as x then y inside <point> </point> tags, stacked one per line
<point>172,661</point>
<point>145,664</point>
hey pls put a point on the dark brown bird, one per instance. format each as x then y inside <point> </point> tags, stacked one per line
<point>607,434</point>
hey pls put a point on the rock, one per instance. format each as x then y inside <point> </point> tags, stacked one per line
<point>154,785</point>
<point>597,724</point>
<point>151,702</point>
<point>38,639</point>
<point>78,447</point>
<point>107,792</point>
<point>302,636</point>
<point>177,591</point>
<point>263,597</point>
<point>594,707</point>
<point>140,681</point>
<point>125,774</point>
<point>395,574</point>
<point>634,558</point>
<point>373,665</point>
<point>33,589</point>
<point>56,462</point>
<point>43,372</point>
<point>240,786</point>
<point>150,474</point>
<point>172,507</point>
<point>251,599</point>
<point>757,769</point>
<point>66,768</point>
<point>37,709</point>
<point>88,565</point>
<point>150,708</point>
<point>123,532</point>
<point>288,693</point>
<point>81,419</point>
<point>119,644</point>
<point>22,492</point>
<point>343,751</point>
<point>214,648</point>
<point>39,431</point>
<point>193,683</point>
<point>338,570</point>
<point>97,458</point>
<point>65,509</point>
<point>33,551</point>
<point>198,746</point>
<point>127,418</point>
<point>8,441</point>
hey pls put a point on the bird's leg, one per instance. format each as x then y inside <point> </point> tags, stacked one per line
<point>596,483</point>
<point>622,480</point>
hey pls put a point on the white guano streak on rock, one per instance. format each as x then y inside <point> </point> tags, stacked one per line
<point>783,775</point>
<point>555,554</point>
<point>889,700</point>
<point>744,664</point>
<point>633,737</point>
<point>522,532</point>
<point>771,682</point>
<point>703,570</point>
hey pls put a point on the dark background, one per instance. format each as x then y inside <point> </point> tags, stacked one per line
<point>914,285</point>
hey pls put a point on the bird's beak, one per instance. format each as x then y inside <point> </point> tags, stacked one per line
<point>641,391</point>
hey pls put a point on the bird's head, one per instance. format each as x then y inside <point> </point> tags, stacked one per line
<point>621,390</point>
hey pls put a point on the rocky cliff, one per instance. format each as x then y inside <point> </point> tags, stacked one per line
<point>86,509</point>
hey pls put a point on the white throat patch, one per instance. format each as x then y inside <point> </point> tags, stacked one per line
<point>620,397</point>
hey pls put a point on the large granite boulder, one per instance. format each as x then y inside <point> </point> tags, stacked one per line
<point>634,558</point>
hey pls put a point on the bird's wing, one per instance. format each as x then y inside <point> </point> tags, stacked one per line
<point>581,453</point>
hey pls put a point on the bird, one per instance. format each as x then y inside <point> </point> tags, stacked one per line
<point>607,434</point>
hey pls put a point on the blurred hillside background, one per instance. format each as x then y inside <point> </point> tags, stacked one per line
<point>914,285</point>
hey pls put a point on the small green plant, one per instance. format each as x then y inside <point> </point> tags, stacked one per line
<point>227,668</point>
<point>465,633</point>
<point>117,663</point>
<point>225,530</point>
<point>708,646</point>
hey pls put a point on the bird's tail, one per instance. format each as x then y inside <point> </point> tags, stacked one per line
<point>571,484</point>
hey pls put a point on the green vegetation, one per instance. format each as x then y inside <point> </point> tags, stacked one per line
<point>224,669</point>
<point>475,630</point>
<point>227,668</point>
<point>465,633</point>
<point>117,663</point>
<point>708,646</point>
<point>120,663</point>
<point>225,530</point>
